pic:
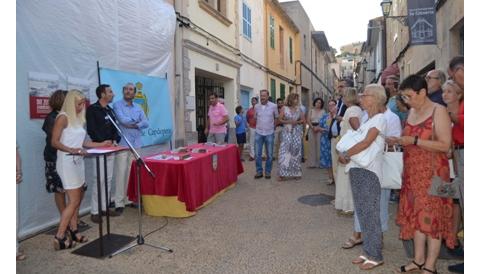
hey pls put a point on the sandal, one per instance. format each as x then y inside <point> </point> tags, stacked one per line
<point>419,267</point>
<point>59,244</point>
<point>352,242</point>
<point>359,260</point>
<point>369,264</point>
<point>76,238</point>
<point>431,271</point>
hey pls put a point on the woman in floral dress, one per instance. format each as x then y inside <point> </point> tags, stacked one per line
<point>426,138</point>
<point>290,154</point>
<point>325,145</point>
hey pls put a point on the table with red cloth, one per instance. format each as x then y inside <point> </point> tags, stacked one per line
<point>181,187</point>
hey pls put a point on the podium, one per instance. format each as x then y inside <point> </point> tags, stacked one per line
<point>109,243</point>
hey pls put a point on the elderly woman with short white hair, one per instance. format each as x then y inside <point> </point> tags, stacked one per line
<point>365,179</point>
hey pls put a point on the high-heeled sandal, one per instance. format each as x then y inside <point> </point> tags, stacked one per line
<point>64,243</point>
<point>73,234</point>
<point>419,267</point>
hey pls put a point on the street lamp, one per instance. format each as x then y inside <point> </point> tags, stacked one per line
<point>387,7</point>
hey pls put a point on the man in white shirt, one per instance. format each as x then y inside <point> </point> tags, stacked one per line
<point>266,115</point>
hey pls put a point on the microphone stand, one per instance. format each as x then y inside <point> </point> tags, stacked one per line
<point>139,163</point>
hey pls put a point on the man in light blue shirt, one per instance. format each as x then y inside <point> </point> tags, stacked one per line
<point>131,120</point>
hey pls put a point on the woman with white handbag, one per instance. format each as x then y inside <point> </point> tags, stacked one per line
<point>392,169</point>
<point>361,152</point>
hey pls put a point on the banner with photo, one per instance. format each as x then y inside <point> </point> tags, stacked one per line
<point>152,95</point>
<point>422,22</point>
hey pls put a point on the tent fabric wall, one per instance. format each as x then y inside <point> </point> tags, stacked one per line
<point>67,38</point>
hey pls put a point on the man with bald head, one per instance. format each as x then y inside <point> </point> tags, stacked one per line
<point>435,79</point>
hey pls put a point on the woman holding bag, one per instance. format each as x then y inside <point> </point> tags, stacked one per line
<point>365,180</point>
<point>393,129</point>
<point>426,139</point>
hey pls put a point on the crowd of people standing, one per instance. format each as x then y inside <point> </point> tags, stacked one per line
<point>421,116</point>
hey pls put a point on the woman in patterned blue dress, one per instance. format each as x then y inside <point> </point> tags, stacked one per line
<point>325,153</point>
<point>290,154</point>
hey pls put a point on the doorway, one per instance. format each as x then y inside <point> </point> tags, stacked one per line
<point>203,88</point>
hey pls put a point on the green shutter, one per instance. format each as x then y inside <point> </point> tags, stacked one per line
<point>290,47</point>
<point>282,91</point>
<point>273,89</point>
<point>272,32</point>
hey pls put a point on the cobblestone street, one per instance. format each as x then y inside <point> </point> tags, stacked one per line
<point>259,226</point>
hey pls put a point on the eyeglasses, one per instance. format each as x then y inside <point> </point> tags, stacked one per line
<point>406,97</point>
<point>431,77</point>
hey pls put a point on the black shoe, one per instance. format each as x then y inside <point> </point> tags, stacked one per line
<point>95,218</point>
<point>111,205</point>
<point>456,268</point>
<point>258,175</point>
<point>132,205</point>
<point>268,176</point>
<point>119,210</point>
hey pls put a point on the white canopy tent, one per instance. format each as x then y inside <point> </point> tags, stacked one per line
<point>66,39</point>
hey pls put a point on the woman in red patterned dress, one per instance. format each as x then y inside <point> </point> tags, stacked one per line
<point>425,218</point>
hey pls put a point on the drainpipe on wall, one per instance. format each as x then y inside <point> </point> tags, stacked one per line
<point>179,113</point>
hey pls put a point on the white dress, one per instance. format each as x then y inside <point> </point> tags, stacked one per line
<point>343,189</point>
<point>71,168</point>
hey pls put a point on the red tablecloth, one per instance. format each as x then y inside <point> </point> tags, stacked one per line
<point>193,181</point>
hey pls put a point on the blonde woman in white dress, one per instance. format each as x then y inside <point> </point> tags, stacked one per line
<point>68,137</point>
<point>351,120</point>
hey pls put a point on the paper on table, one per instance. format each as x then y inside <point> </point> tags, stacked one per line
<point>100,150</point>
<point>161,157</point>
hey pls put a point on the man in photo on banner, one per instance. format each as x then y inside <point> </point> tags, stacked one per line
<point>131,120</point>
<point>100,129</point>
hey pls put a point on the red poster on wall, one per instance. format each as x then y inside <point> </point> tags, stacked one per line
<point>41,85</point>
<point>39,107</point>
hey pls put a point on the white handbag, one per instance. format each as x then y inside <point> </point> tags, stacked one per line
<point>363,158</point>
<point>392,169</point>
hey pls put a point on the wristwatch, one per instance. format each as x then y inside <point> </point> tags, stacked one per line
<point>415,140</point>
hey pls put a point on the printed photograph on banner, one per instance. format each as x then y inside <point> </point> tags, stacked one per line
<point>83,85</point>
<point>41,86</point>
<point>152,95</point>
<point>141,98</point>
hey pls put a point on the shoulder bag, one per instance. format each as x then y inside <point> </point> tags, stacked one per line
<point>439,187</point>
<point>392,168</point>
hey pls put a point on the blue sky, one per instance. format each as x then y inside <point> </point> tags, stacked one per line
<point>343,21</point>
